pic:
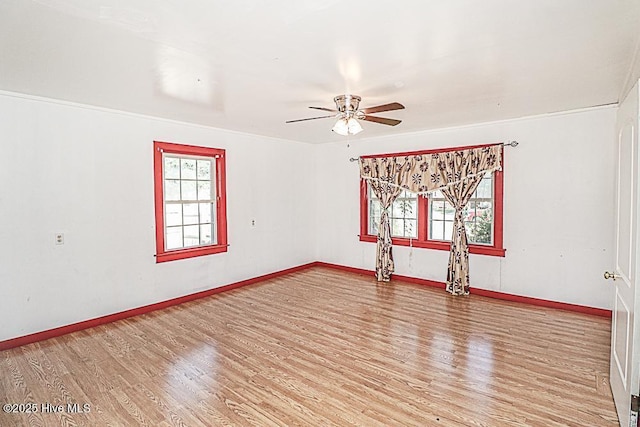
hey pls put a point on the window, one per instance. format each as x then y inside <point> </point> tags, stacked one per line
<point>190,201</point>
<point>427,222</point>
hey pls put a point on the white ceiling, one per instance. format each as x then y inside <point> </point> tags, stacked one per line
<point>250,65</point>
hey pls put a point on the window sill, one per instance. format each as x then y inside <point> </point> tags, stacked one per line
<point>441,246</point>
<point>190,253</point>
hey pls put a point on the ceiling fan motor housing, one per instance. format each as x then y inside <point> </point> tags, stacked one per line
<point>347,103</point>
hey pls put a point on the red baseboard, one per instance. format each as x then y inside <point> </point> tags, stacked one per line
<point>344,268</point>
<point>62,330</point>
<point>543,302</point>
<point>482,292</point>
<point>419,281</point>
<point>364,272</point>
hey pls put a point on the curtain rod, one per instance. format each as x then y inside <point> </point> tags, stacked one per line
<point>510,144</point>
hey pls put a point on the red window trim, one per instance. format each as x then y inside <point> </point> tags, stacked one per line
<point>497,249</point>
<point>163,255</point>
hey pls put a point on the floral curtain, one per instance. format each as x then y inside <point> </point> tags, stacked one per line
<point>456,173</point>
<point>458,273</point>
<point>389,173</point>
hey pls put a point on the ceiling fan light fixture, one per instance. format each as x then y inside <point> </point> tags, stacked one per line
<point>353,126</point>
<point>347,126</point>
<point>341,127</point>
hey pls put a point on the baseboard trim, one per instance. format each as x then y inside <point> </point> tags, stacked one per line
<point>74,327</point>
<point>364,272</point>
<point>602,312</point>
<point>482,292</point>
<point>361,271</point>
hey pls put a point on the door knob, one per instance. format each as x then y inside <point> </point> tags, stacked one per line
<point>613,276</point>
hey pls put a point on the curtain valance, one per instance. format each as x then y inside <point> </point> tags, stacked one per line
<point>426,173</point>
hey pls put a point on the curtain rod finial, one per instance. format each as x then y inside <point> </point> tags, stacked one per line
<point>512,143</point>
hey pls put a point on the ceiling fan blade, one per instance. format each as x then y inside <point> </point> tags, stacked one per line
<point>382,120</point>
<point>324,109</point>
<point>310,118</point>
<point>381,108</point>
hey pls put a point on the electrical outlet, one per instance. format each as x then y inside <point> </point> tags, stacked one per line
<point>59,238</point>
<point>253,222</point>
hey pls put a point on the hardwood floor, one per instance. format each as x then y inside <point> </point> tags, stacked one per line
<point>321,347</point>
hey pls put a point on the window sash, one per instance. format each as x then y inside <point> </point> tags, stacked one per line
<point>190,232</point>
<point>444,223</point>
<point>403,214</point>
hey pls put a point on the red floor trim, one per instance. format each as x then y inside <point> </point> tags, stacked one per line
<point>345,268</point>
<point>602,312</point>
<point>62,330</point>
<point>483,292</point>
<point>419,281</point>
<point>364,272</point>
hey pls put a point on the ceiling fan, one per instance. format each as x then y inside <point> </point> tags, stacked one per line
<point>348,113</point>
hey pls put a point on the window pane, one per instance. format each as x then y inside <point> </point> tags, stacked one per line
<point>188,190</point>
<point>171,168</point>
<point>191,235</point>
<point>469,212</point>
<point>412,212</point>
<point>404,208</point>
<point>485,189</point>
<point>205,212</point>
<point>173,214</point>
<point>204,169</point>
<point>449,212</point>
<point>448,228</point>
<point>204,190</point>
<point>174,238</point>
<point>397,227</point>
<point>190,214</point>
<point>375,208</point>
<point>437,230</point>
<point>372,195</point>
<point>437,210</point>
<point>410,228</point>
<point>398,208</point>
<point>373,225</point>
<point>484,205</point>
<point>206,234</point>
<point>188,168</point>
<point>481,230</point>
<point>171,189</point>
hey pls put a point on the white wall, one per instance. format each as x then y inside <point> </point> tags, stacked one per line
<point>89,174</point>
<point>558,206</point>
